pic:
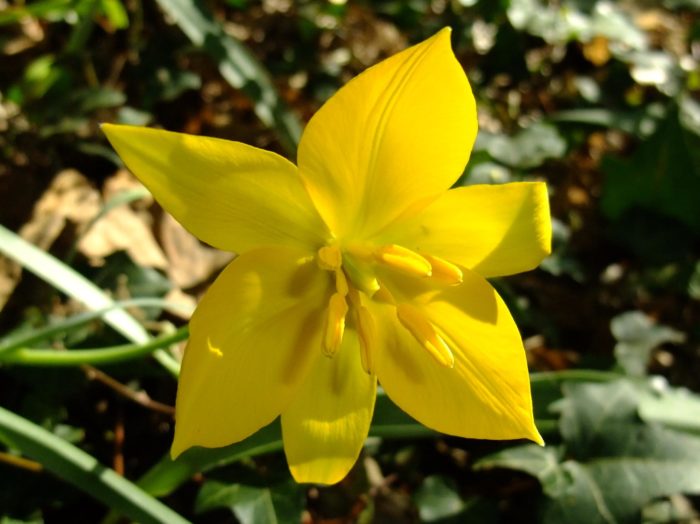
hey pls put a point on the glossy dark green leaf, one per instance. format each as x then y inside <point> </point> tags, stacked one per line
<point>527,149</point>
<point>637,336</point>
<point>280,503</point>
<point>663,176</point>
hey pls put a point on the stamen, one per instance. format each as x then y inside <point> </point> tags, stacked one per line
<point>335,324</point>
<point>367,334</point>
<point>341,282</point>
<point>330,258</point>
<point>404,260</point>
<point>445,271</point>
<point>423,331</point>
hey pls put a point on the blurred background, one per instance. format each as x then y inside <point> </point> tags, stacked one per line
<point>600,99</point>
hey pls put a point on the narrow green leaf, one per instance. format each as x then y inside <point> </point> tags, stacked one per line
<point>73,284</point>
<point>238,66</point>
<point>29,338</point>
<point>83,471</point>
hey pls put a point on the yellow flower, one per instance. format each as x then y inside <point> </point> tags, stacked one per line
<point>356,266</point>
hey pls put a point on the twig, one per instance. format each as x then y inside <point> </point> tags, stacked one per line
<point>21,462</point>
<point>140,397</point>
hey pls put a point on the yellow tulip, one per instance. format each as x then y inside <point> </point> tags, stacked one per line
<point>358,265</point>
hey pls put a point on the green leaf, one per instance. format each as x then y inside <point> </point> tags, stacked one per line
<point>237,65</point>
<point>116,13</point>
<point>543,463</point>
<point>167,475</point>
<point>615,490</point>
<point>527,149</point>
<point>280,503</point>
<point>42,9</point>
<point>75,285</point>
<point>44,334</point>
<point>617,462</point>
<point>437,499</point>
<point>563,21</point>
<point>675,408</point>
<point>663,176</point>
<point>83,471</point>
<point>637,336</point>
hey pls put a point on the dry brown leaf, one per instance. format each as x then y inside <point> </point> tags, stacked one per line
<point>123,229</point>
<point>10,273</point>
<point>184,303</point>
<point>191,262</point>
<point>69,198</point>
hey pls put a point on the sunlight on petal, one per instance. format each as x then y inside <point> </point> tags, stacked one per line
<point>494,230</point>
<point>487,393</point>
<point>231,195</point>
<point>238,373</point>
<point>326,425</point>
<point>396,135</point>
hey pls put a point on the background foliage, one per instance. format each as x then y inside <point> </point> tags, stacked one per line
<point>601,99</point>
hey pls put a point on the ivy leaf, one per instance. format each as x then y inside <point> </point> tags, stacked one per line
<point>280,503</point>
<point>617,462</point>
<point>637,336</point>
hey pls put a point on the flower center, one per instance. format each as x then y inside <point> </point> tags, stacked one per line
<point>356,282</point>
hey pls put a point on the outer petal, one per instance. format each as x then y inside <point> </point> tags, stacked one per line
<point>493,229</point>
<point>253,339</point>
<point>394,137</point>
<point>233,196</point>
<point>325,426</point>
<point>487,393</point>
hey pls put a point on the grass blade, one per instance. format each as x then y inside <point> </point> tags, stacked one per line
<point>238,66</point>
<point>64,278</point>
<point>83,471</point>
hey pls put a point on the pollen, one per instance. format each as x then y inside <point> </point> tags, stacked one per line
<point>424,332</point>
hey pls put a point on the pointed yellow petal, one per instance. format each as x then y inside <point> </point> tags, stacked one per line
<point>492,229</point>
<point>396,135</point>
<point>487,392</point>
<point>252,341</point>
<point>233,196</point>
<point>325,426</point>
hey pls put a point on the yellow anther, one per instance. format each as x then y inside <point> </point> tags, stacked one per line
<point>404,260</point>
<point>341,282</point>
<point>335,324</point>
<point>445,271</point>
<point>367,334</point>
<point>423,331</point>
<point>329,258</point>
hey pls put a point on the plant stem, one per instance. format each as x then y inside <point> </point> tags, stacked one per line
<point>101,356</point>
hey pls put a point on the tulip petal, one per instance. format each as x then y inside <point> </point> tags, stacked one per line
<point>494,230</point>
<point>487,393</point>
<point>325,427</point>
<point>393,138</point>
<point>233,196</point>
<point>253,339</point>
